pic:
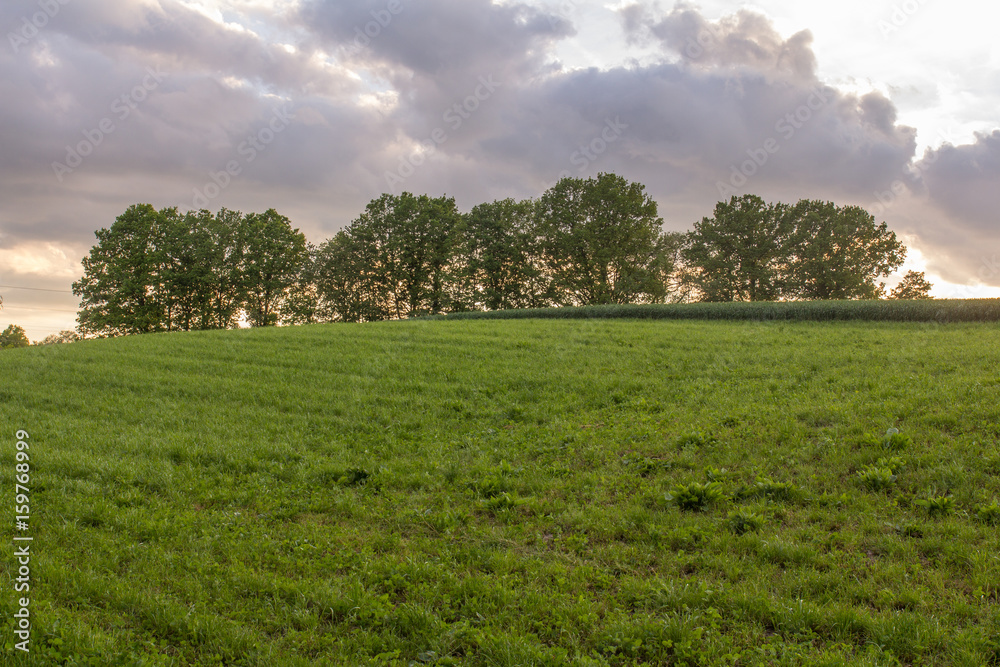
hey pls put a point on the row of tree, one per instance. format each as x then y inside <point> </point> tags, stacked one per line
<point>594,241</point>
<point>15,336</point>
<point>582,242</point>
<point>164,271</point>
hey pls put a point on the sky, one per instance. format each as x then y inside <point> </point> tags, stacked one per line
<point>316,107</point>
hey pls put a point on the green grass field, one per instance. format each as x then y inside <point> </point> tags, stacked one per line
<point>523,492</point>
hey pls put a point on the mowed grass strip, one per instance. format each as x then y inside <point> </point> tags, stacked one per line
<point>528,492</point>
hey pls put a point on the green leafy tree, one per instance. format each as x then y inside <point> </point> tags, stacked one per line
<point>351,283</point>
<point>839,252</point>
<point>301,304</point>
<point>429,247</point>
<point>496,263</point>
<point>419,237</point>
<point>203,275</point>
<point>163,271</point>
<point>187,276</point>
<point>272,255</point>
<point>121,290</point>
<point>393,261</point>
<point>13,336</point>
<point>600,241</point>
<point>225,255</point>
<point>740,253</point>
<point>913,286</point>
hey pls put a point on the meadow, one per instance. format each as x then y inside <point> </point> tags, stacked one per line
<point>523,492</point>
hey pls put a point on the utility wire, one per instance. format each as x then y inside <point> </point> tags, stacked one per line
<point>37,289</point>
<point>51,310</point>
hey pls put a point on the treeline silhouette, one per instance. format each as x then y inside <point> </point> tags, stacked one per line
<point>583,242</point>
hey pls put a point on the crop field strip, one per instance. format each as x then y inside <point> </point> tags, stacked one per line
<point>930,310</point>
<point>534,492</point>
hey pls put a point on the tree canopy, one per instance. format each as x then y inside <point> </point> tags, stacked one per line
<point>741,252</point>
<point>754,251</point>
<point>913,286</point>
<point>13,336</point>
<point>839,252</point>
<point>601,241</point>
<point>163,271</point>
<point>498,266</point>
<point>393,261</point>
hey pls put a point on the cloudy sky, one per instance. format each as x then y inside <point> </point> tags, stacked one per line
<point>315,107</point>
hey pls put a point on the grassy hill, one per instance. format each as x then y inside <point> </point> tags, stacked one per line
<point>523,492</point>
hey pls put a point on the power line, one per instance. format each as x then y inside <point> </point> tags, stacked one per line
<point>39,325</point>
<point>37,289</point>
<point>53,310</point>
